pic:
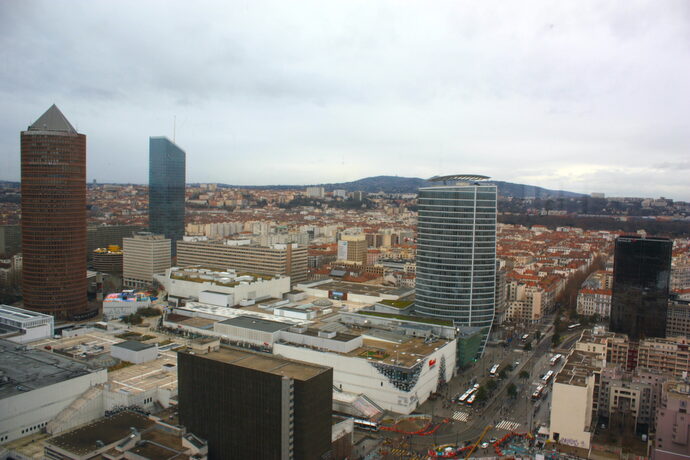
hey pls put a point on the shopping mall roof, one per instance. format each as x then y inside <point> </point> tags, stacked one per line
<point>360,288</point>
<point>133,345</point>
<point>106,430</point>
<point>23,369</point>
<point>21,315</point>
<point>258,324</point>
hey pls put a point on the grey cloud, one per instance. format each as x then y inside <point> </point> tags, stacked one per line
<point>681,166</point>
<point>273,91</point>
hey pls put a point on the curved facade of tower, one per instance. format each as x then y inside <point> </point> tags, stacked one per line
<point>456,254</point>
<point>53,158</point>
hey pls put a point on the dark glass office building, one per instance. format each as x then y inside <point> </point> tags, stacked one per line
<point>456,252</point>
<point>166,189</point>
<point>252,405</point>
<point>641,278</point>
<point>53,230</point>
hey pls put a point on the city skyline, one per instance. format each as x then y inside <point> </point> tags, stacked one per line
<point>586,100</point>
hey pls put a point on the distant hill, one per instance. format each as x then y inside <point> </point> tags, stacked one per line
<point>388,184</point>
<point>395,184</point>
<point>531,191</point>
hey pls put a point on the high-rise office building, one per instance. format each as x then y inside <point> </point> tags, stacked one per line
<point>641,278</point>
<point>166,189</point>
<point>456,252</point>
<point>252,405</point>
<point>144,255</point>
<point>54,217</point>
<point>353,248</point>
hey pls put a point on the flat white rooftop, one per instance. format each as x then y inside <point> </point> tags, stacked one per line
<point>20,314</point>
<point>222,313</point>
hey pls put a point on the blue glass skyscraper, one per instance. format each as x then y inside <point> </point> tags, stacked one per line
<point>166,189</point>
<point>456,253</point>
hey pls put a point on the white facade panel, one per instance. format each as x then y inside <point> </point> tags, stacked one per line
<point>32,334</point>
<point>132,356</point>
<point>274,287</point>
<point>221,299</point>
<point>244,334</point>
<point>29,412</point>
<point>118,309</point>
<point>571,413</point>
<point>359,376</point>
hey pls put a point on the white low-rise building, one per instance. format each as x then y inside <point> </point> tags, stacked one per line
<point>134,352</point>
<point>36,386</point>
<point>23,326</point>
<point>257,331</point>
<point>395,365</point>
<point>594,302</point>
<point>397,378</point>
<point>124,303</point>
<point>224,289</point>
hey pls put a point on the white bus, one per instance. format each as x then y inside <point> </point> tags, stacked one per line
<point>547,377</point>
<point>573,326</point>
<point>464,397</point>
<point>555,359</point>
<point>366,425</point>
<point>471,399</point>
<point>468,395</point>
<point>494,370</point>
<point>538,392</point>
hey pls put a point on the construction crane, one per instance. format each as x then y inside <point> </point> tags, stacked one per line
<point>479,440</point>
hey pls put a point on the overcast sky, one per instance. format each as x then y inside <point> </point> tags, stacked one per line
<point>586,96</point>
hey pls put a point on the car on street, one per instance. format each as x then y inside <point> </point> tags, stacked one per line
<point>484,445</point>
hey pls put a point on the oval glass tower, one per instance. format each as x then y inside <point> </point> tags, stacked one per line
<point>456,253</point>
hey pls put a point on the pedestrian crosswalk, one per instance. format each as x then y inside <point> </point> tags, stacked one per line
<point>461,416</point>
<point>508,425</point>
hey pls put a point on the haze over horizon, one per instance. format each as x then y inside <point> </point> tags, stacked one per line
<point>572,96</point>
